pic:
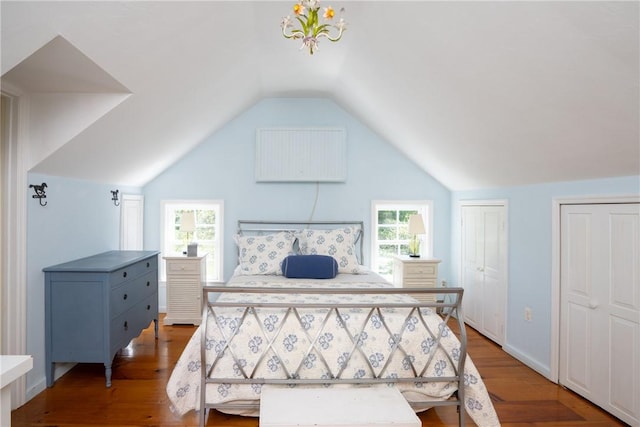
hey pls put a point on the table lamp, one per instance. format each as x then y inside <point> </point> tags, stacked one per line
<point>416,226</point>
<point>188,225</point>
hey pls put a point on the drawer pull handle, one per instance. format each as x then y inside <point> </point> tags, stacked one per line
<point>148,265</point>
<point>124,274</point>
<point>148,307</point>
<point>148,283</point>
<point>126,325</point>
<point>124,296</point>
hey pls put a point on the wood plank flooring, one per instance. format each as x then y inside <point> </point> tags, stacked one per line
<point>140,373</point>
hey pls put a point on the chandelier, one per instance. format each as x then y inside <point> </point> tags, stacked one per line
<point>311,29</point>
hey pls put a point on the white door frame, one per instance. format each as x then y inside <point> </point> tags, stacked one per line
<point>554,362</point>
<point>505,204</point>
<point>13,334</point>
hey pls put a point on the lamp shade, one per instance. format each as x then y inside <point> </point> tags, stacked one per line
<point>416,224</point>
<point>188,221</point>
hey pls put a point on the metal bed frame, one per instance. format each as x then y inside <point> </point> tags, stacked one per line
<point>450,305</point>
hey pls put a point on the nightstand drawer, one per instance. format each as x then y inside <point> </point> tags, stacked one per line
<point>183,267</point>
<point>419,269</point>
<point>419,283</point>
<point>418,273</point>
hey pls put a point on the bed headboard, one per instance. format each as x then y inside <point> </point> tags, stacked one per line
<point>258,228</point>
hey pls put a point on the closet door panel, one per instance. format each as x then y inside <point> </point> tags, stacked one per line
<point>600,307</point>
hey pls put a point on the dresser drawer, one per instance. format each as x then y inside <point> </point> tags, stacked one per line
<point>419,269</point>
<point>134,270</point>
<point>130,293</point>
<point>128,325</point>
<point>183,267</point>
<point>150,309</point>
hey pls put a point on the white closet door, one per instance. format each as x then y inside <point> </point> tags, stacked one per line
<point>484,269</point>
<point>600,305</point>
<point>131,222</point>
<point>472,257</point>
<point>492,276</point>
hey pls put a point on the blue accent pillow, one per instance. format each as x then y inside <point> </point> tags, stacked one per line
<point>310,267</point>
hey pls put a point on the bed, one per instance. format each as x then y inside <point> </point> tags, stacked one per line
<point>275,322</point>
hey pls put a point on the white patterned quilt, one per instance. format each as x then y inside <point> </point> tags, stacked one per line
<point>318,343</point>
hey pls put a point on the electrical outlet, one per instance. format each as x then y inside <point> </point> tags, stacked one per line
<point>528,314</point>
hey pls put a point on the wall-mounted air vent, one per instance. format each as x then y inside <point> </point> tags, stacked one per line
<point>301,155</point>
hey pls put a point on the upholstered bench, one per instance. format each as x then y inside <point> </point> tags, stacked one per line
<point>379,406</point>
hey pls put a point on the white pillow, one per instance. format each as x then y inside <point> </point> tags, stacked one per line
<point>339,243</point>
<point>263,254</point>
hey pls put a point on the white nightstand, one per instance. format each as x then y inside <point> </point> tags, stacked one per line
<point>421,273</point>
<point>185,278</point>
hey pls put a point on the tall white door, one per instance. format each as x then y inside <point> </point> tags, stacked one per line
<point>600,305</point>
<point>484,269</point>
<point>131,222</point>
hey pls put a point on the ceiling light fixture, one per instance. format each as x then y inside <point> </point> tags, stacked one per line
<point>311,29</point>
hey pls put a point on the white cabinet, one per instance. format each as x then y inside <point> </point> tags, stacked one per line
<point>420,273</point>
<point>185,278</point>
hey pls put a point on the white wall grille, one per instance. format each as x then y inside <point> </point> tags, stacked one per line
<point>301,155</point>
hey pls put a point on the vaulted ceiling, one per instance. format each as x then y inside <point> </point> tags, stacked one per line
<point>479,94</point>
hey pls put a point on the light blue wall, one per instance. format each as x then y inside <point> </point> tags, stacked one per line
<point>529,221</point>
<point>79,220</point>
<point>222,167</point>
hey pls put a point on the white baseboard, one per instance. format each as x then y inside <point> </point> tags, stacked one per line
<point>59,370</point>
<point>542,370</point>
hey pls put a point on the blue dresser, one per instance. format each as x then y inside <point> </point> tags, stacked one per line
<point>94,306</point>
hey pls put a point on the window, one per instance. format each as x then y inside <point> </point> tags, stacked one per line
<point>208,226</point>
<point>390,232</point>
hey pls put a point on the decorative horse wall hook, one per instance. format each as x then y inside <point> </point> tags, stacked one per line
<point>40,192</point>
<point>114,197</point>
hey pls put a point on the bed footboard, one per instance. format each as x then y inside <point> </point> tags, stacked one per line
<point>417,339</point>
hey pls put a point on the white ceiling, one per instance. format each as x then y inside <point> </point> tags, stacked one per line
<point>479,94</point>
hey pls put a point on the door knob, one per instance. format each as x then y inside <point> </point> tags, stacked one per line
<point>593,304</point>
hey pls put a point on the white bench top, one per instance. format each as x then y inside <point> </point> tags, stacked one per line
<point>335,407</point>
<point>13,367</point>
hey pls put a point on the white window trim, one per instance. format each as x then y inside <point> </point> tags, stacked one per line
<point>219,261</point>
<point>427,215</point>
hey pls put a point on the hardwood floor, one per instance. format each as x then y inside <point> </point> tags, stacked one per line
<point>137,396</point>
